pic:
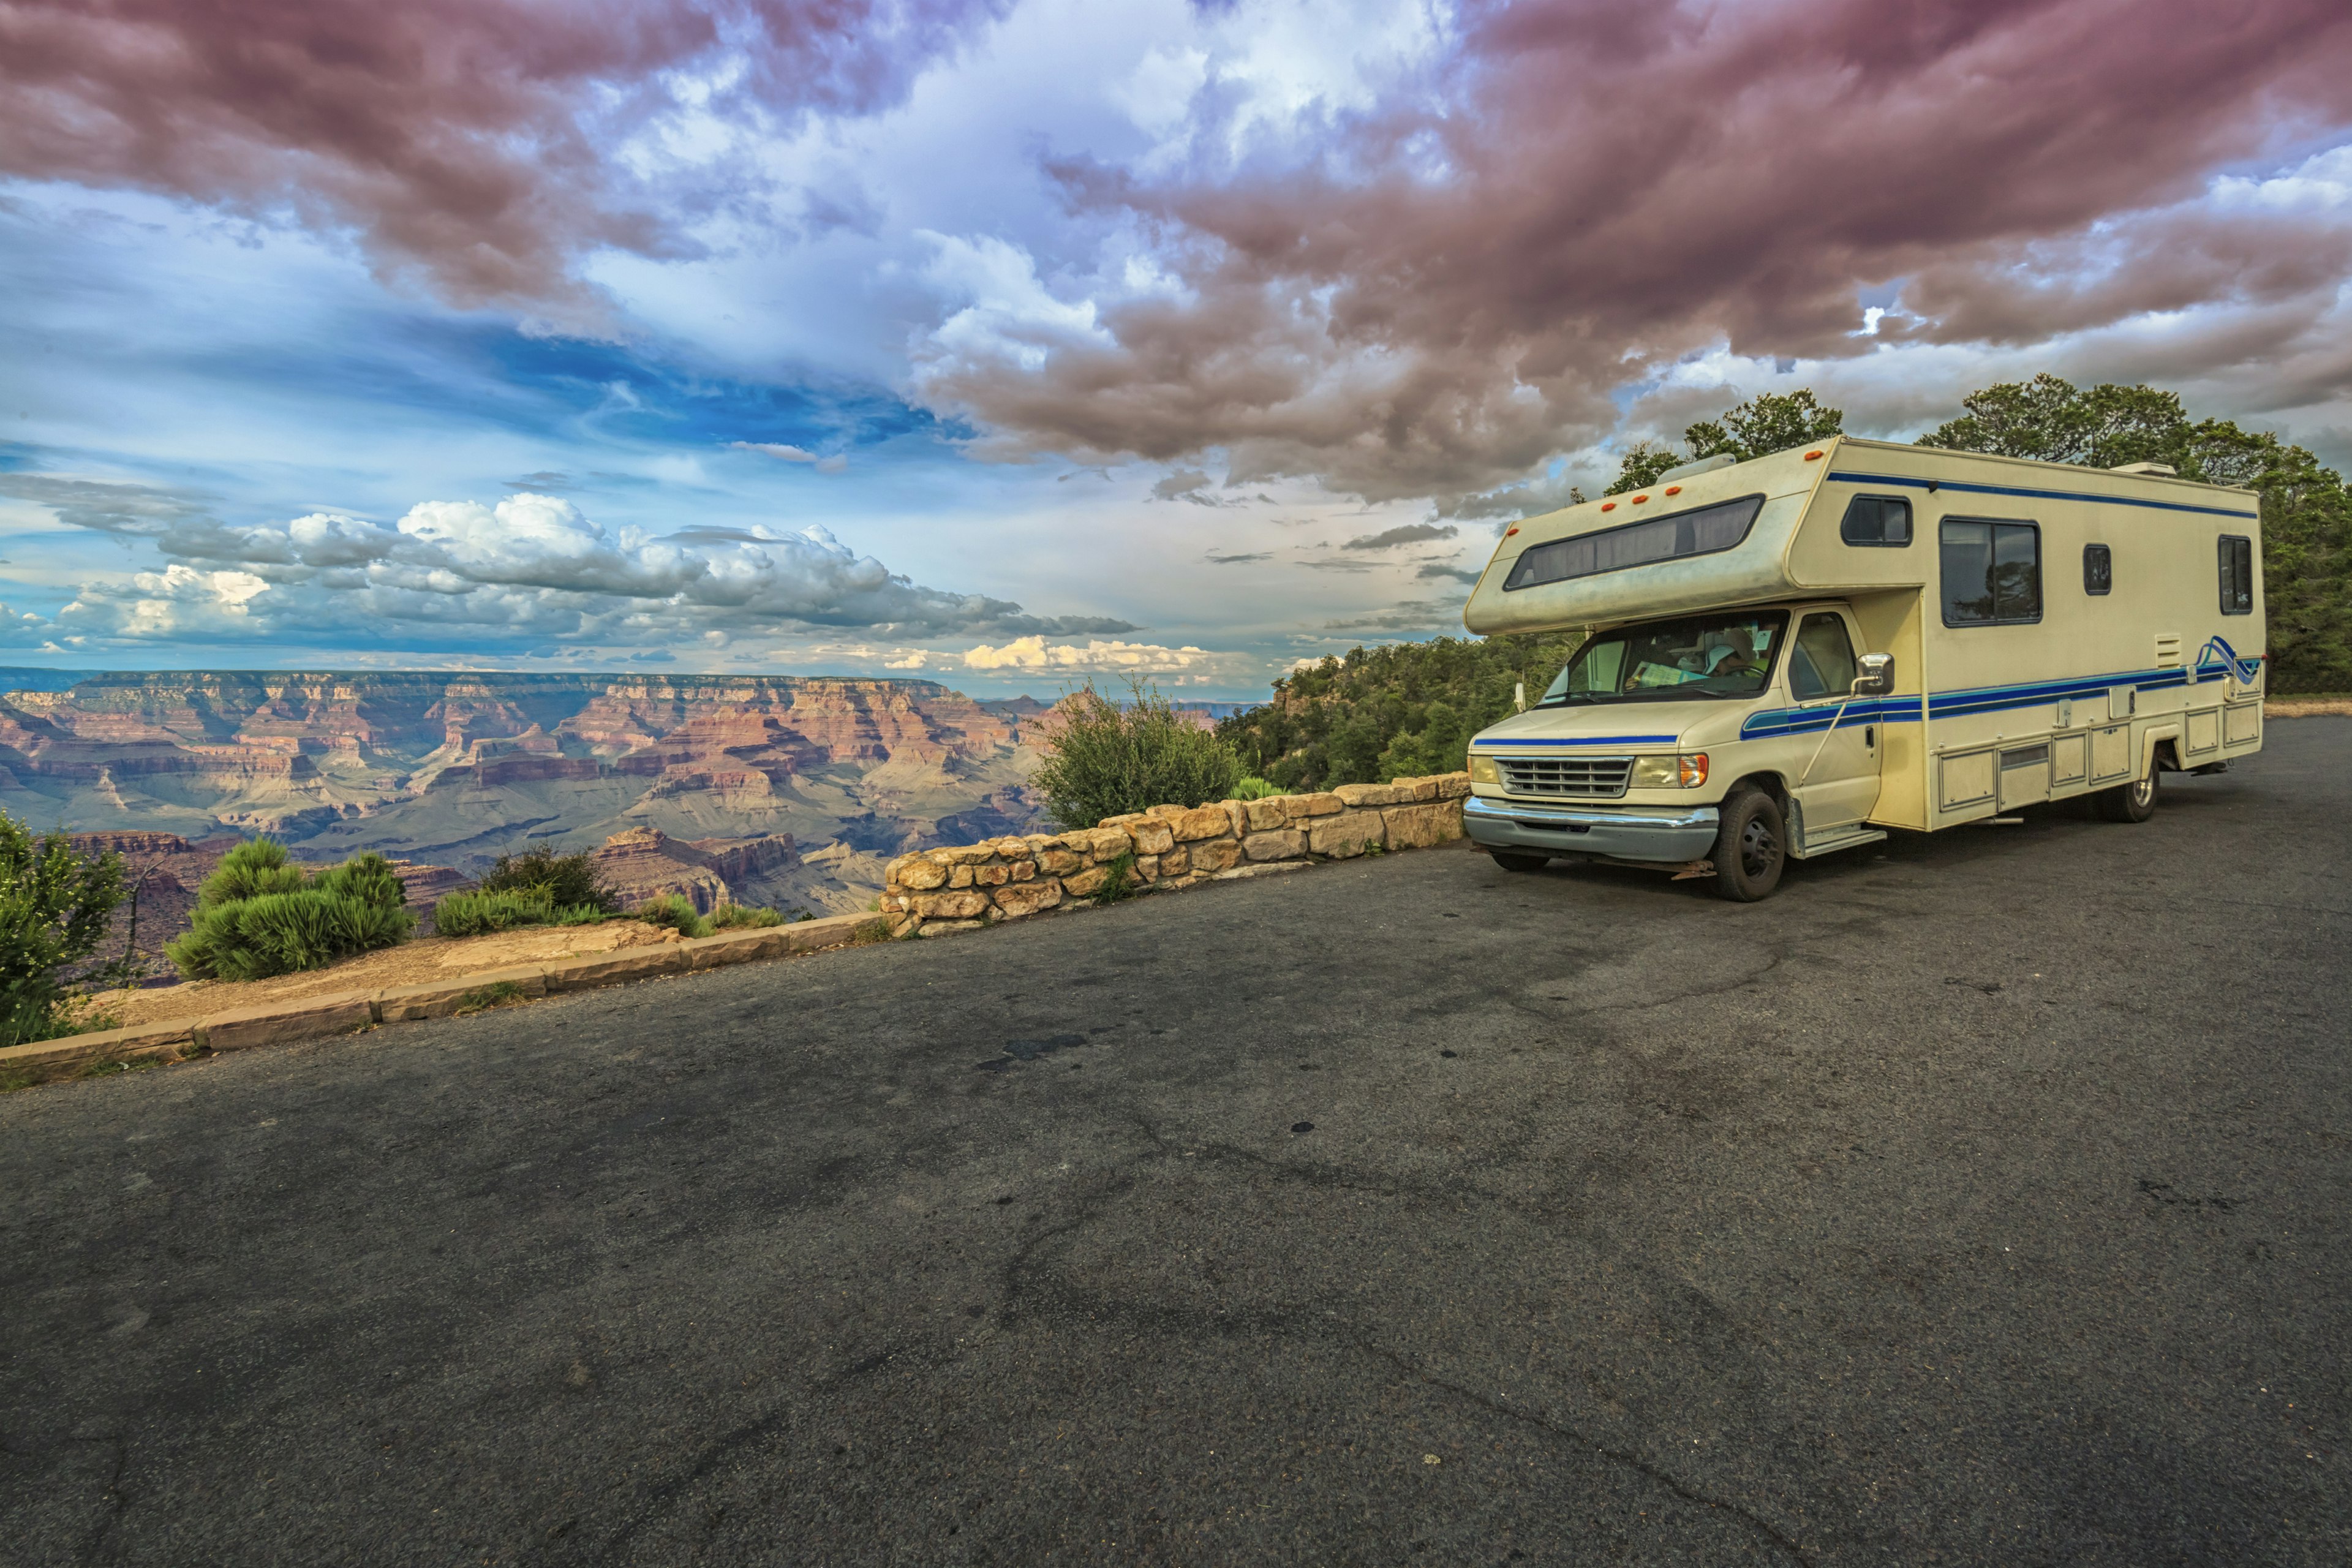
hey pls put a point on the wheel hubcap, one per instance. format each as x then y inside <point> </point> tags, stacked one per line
<point>1757,847</point>
<point>2144,791</point>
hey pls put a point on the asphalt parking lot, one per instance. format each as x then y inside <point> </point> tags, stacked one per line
<point>1976,1199</point>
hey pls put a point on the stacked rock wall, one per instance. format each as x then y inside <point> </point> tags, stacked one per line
<point>939,890</point>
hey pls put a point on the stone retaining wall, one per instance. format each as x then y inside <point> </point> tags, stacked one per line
<point>936,891</point>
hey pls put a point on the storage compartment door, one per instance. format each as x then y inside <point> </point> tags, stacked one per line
<point>2069,761</point>
<point>2110,757</point>
<point>1966,780</point>
<point>2204,732</point>
<point>2024,776</point>
<point>2242,724</point>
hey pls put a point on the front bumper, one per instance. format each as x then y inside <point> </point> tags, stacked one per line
<point>1664,835</point>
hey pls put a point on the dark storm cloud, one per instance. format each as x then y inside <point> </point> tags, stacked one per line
<point>467,140</point>
<point>1443,290</point>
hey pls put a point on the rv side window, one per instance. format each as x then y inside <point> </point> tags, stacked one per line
<point>2237,574</point>
<point>1702,531</point>
<point>1992,573</point>
<point>1877,520</point>
<point>2098,569</point>
<point>1821,661</point>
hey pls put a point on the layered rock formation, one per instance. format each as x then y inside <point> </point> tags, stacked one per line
<point>454,769</point>
<point>644,863</point>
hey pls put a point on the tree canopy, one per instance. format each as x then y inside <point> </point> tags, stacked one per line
<point>1768,422</point>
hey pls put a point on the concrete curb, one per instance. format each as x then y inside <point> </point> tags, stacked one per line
<point>348,1012</point>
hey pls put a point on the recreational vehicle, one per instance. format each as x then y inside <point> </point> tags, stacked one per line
<point>1788,657</point>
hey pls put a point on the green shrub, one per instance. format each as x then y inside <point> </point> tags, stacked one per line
<point>745,917</point>
<point>281,933</point>
<point>250,870</point>
<point>257,915</point>
<point>481,913</point>
<point>55,906</point>
<point>1110,761</point>
<point>672,912</point>
<point>567,880</point>
<point>1255,789</point>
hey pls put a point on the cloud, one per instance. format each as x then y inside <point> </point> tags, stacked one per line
<point>834,464</point>
<point>1412,615</point>
<point>532,566</point>
<point>1239,560</point>
<point>1404,533</point>
<point>1438,569</point>
<point>1035,653</point>
<point>1186,484</point>
<point>1433,289</point>
<point>481,144</point>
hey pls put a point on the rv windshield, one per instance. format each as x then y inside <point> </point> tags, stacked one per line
<point>1674,661</point>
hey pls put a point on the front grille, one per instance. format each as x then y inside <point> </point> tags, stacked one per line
<point>1587,778</point>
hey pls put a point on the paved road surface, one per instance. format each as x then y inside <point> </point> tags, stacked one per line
<point>1980,1201</point>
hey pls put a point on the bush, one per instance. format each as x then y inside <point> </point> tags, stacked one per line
<point>1255,789</point>
<point>567,880</point>
<point>672,912</point>
<point>481,913</point>
<point>55,907</point>
<point>745,917</point>
<point>257,915</point>
<point>1110,761</point>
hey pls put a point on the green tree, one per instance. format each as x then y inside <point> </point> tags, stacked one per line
<point>2307,512</point>
<point>1109,759</point>
<point>55,907</point>
<point>1380,714</point>
<point>1768,422</point>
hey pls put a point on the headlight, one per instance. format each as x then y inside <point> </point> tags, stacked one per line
<point>1483,771</point>
<point>1686,771</point>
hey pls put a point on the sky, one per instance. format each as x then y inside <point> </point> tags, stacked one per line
<point>1013,342</point>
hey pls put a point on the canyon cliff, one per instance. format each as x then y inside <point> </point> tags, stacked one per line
<point>452,769</point>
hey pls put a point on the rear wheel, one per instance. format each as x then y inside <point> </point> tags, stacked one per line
<point>2132,802</point>
<point>1510,862</point>
<point>1751,847</point>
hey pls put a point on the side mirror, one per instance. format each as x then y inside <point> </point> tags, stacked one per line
<point>1519,697</point>
<point>1877,676</point>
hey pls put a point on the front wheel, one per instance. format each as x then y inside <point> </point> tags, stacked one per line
<point>1510,862</point>
<point>1751,847</point>
<point>2132,802</point>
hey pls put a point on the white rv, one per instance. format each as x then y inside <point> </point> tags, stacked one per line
<point>1787,657</point>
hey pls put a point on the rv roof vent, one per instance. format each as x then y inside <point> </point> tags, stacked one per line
<point>1704,466</point>
<point>2161,470</point>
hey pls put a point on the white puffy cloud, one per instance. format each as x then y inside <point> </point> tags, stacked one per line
<point>531,565</point>
<point>1035,653</point>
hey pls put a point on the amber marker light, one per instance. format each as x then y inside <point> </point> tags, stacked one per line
<point>1810,456</point>
<point>1639,499</point>
<point>1674,490</point>
<point>1510,531</point>
<point>1609,506</point>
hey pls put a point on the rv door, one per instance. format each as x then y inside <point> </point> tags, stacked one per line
<point>1838,784</point>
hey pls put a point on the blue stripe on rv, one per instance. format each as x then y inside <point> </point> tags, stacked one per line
<point>1902,481</point>
<point>1973,700</point>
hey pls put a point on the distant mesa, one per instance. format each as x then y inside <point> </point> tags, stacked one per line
<point>450,769</point>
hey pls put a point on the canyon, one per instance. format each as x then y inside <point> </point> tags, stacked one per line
<point>784,790</point>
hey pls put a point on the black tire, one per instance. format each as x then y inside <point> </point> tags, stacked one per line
<point>1511,862</point>
<point>2129,801</point>
<point>1751,847</point>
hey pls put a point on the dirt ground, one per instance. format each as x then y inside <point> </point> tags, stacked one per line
<point>2307,707</point>
<point>411,964</point>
